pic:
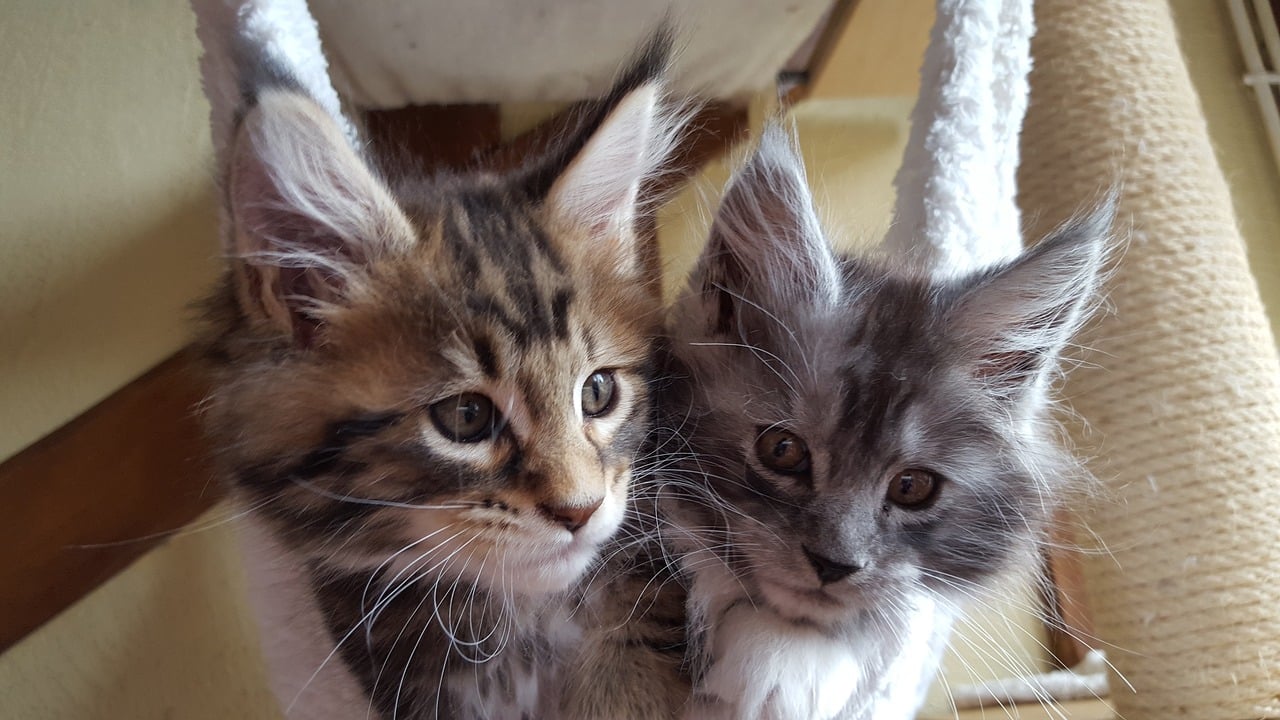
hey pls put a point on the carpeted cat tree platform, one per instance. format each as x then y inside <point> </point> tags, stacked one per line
<point>1181,390</point>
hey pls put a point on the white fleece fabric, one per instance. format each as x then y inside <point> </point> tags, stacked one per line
<point>956,211</point>
<point>237,35</point>
<point>957,196</point>
<point>393,53</point>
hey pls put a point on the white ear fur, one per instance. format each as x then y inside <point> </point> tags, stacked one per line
<point>306,211</point>
<point>600,188</point>
<point>1015,320</point>
<point>767,224</point>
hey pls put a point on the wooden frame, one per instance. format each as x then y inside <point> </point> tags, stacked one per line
<point>1068,623</point>
<point>88,499</point>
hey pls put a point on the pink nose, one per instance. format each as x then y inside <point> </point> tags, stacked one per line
<point>572,517</point>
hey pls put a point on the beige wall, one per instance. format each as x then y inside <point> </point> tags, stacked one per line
<point>1213,56</point>
<point>106,220</point>
<point>171,638</point>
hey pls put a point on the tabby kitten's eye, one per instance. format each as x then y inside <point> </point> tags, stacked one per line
<point>913,489</point>
<point>598,393</point>
<point>783,451</point>
<point>464,418</point>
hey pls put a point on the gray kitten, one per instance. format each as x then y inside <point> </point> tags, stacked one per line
<point>851,446</point>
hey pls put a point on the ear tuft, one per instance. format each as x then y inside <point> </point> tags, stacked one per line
<point>306,213</point>
<point>766,243</point>
<point>1014,321</point>
<point>600,187</point>
<point>599,191</point>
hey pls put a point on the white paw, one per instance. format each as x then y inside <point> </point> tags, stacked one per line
<point>767,668</point>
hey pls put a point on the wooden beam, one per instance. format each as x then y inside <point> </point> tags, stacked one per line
<point>438,136</point>
<point>795,81</point>
<point>877,54</point>
<point>85,501</point>
<point>1068,622</point>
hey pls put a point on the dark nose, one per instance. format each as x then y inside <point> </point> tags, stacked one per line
<point>829,570</point>
<point>572,517</point>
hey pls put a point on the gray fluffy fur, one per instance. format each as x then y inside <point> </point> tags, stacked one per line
<point>879,369</point>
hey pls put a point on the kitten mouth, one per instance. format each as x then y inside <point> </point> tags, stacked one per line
<point>546,570</point>
<point>817,605</point>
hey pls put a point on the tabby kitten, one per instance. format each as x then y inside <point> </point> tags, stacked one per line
<point>429,391</point>
<point>852,445</point>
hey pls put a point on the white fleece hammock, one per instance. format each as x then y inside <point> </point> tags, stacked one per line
<point>956,212</point>
<point>234,32</point>
<point>956,209</point>
<point>396,53</point>
<point>957,193</point>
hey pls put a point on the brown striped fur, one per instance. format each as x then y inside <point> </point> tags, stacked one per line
<point>357,300</point>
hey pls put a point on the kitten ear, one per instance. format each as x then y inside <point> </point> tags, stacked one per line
<point>306,214</point>
<point>599,190</point>
<point>766,244</point>
<point>1013,321</point>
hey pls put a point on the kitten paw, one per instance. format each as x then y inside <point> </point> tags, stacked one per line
<point>768,668</point>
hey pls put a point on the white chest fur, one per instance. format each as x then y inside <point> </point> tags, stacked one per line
<point>768,668</point>
<point>760,666</point>
<point>310,679</point>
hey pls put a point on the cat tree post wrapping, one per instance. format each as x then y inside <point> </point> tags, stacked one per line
<point>239,38</point>
<point>1182,389</point>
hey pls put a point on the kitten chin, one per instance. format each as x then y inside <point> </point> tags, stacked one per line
<point>553,565</point>
<point>817,606</point>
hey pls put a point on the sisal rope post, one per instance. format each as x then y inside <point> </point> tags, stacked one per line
<point>1184,402</point>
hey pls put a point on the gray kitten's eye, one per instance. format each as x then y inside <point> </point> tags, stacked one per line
<point>464,418</point>
<point>782,451</point>
<point>598,393</point>
<point>913,489</point>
